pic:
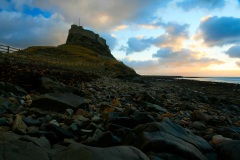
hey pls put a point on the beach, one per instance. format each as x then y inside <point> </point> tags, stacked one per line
<point>111,112</point>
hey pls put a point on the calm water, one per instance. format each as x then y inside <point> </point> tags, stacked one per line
<point>216,79</point>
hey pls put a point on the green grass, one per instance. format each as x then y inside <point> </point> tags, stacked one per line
<point>71,57</point>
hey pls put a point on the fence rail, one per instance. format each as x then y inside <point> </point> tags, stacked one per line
<point>8,49</point>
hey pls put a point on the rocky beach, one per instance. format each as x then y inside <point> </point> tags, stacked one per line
<point>145,117</point>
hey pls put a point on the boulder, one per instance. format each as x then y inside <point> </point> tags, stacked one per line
<point>154,108</point>
<point>229,150</point>
<point>76,151</point>
<point>131,121</point>
<point>7,87</point>
<point>58,101</point>
<point>12,147</point>
<point>4,105</point>
<point>47,85</point>
<point>165,137</point>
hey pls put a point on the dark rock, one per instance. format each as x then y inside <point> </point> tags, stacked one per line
<point>200,115</point>
<point>154,108</point>
<point>129,121</point>
<point>77,151</point>
<point>4,122</point>
<point>198,125</point>
<point>229,150</point>
<point>49,86</point>
<point>14,148</point>
<point>167,137</point>
<point>230,132</point>
<point>31,122</point>
<point>62,133</point>
<point>4,105</point>
<point>18,124</point>
<point>7,87</point>
<point>58,101</point>
<point>107,139</point>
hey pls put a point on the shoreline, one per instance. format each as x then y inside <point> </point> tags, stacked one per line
<point>105,113</point>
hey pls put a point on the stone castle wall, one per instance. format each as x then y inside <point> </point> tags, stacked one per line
<point>80,36</point>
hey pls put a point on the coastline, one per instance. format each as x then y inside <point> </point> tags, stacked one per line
<point>107,114</point>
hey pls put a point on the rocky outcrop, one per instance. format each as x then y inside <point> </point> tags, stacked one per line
<point>88,39</point>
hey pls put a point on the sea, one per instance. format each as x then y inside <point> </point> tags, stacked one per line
<point>235,80</point>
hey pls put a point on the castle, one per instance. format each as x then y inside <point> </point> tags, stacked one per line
<point>79,36</point>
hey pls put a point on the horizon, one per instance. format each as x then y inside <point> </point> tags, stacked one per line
<point>156,37</point>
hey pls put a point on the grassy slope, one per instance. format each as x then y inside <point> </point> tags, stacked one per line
<point>72,59</point>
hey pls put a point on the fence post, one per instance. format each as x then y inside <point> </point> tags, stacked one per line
<point>8,49</point>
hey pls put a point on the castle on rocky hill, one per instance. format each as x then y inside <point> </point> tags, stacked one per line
<point>79,36</point>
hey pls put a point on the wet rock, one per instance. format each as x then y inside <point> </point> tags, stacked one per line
<point>31,122</point>
<point>167,137</point>
<point>58,101</point>
<point>229,150</point>
<point>75,151</point>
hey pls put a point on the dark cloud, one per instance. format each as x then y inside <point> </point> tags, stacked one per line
<point>138,44</point>
<point>205,4</point>
<point>217,31</point>
<point>22,30</point>
<point>182,58</point>
<point>234,52</point>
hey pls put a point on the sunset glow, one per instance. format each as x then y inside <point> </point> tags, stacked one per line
<point>160,37</point>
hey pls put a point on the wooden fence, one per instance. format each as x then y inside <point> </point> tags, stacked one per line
<point>8,49</point>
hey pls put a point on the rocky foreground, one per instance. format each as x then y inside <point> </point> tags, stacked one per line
<point>140,119</point>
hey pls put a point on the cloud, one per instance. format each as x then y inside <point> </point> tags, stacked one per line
<point>175,35</point>
<point>183,58</point>
<point>219,31</point>
<point>204,4</point>
<point>104,14</point>
<point>138,44</point>
<point>21,30</point>
<point>238,63</point>
<point>234,52</point>
<point>110,39</point>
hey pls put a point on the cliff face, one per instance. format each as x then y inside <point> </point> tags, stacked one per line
<point>86,38</point>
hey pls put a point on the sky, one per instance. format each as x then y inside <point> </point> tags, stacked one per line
<point>154,37</point>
